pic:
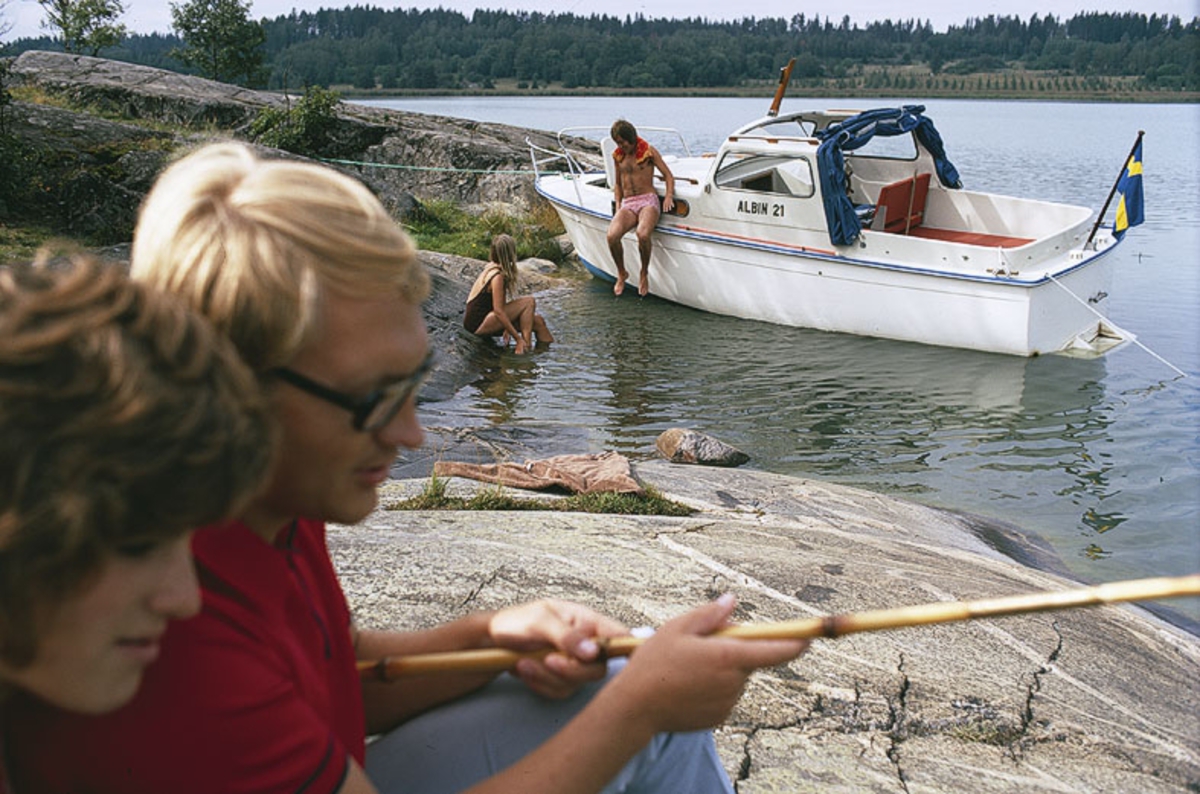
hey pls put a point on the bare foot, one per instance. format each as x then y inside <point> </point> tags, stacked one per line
<point>619,287</point>
<point>644,284</point>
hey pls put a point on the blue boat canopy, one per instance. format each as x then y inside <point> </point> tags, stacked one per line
<point>856,131</point>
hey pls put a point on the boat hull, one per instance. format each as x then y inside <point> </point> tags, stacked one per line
<point>810,287</point>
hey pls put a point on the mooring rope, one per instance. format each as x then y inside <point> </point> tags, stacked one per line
<point>522,172</point>
<point>1131,338</point>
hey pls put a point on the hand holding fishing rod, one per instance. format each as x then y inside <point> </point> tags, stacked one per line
<point>498,659</point>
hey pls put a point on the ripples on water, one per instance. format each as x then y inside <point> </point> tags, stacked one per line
<point>1099,457</point>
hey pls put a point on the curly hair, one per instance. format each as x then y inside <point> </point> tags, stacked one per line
<point>125,420</point>
<point>253,243</point>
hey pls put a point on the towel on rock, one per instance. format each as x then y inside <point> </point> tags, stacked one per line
<point>607,471</point>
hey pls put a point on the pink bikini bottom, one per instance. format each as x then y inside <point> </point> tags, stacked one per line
<point>636,204</point>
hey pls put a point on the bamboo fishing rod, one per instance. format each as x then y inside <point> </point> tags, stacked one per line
<point>493,660</point>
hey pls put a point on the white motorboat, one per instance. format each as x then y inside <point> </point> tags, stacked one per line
<point>853,222</point>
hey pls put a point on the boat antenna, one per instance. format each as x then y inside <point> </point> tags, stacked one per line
<point>1113,192</point>
<point>785,74</point>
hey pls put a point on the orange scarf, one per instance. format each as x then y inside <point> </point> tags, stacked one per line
<point>640,153</point>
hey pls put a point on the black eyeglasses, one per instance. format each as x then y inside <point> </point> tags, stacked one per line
<point>377,408</point>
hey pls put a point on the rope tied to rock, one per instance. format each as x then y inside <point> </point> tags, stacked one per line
<point>445,169</point>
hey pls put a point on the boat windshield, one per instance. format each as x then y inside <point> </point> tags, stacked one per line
<point>790,127</point>
<point>900,147</point>
<point>854,133</point>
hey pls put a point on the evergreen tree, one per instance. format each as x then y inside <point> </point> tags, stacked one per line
<point>440,49</point>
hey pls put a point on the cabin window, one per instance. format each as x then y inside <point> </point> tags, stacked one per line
<point>785,176</point>
<point>895,147</point>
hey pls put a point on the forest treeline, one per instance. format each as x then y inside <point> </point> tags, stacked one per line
<point>410,49</point>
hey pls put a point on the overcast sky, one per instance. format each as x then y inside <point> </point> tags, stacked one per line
<point>149,16</point>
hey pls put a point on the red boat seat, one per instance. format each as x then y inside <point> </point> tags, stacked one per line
<point>902,204</point>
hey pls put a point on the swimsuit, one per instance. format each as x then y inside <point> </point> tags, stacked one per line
<point>636,204</point>
<point>641,153</point>
<point>479,307</point>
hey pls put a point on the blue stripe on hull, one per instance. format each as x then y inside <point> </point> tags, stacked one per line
<point>721,239</point>
<point>595,271</point>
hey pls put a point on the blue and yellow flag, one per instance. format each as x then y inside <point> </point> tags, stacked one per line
<point>1130,210</point>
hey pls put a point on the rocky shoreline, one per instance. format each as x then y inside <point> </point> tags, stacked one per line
<point>1101,699</point>
<point>103,129</point>
<point>1097,699</point>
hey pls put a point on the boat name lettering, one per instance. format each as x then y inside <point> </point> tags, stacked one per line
<point>760,208</point>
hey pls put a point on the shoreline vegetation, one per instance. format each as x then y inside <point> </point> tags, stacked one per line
<point>1102,56</point>
<point>912,84</point>
<point>1090,58</point>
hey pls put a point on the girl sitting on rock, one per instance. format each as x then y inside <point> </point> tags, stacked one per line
<point>491,309</point>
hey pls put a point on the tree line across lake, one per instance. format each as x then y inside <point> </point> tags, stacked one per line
<point>440,50</point>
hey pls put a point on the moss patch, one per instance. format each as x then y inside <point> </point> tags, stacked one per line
<point>434,497</point>
<point>446,227</point>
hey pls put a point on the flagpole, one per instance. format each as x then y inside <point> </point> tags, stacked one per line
<point>1113,192</point>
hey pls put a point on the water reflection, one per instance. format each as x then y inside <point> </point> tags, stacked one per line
<point>505,381</point>
<point>889,415</point>
<point>627,344</point>
<point>1101,458</point>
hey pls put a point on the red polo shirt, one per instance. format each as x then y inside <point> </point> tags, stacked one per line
<point>259,693</point>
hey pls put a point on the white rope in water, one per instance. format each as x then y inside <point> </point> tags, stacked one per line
<point>1131,338</point>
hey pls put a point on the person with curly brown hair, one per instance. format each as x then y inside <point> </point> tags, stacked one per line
<point>125,422</point>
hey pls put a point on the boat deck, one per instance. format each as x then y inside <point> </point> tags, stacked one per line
<point>901,210</point>
<point>968,238</point>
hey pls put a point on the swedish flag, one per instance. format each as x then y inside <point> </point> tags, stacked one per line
<point>1130,207</point>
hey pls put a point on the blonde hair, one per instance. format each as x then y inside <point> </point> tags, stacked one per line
<point>125,420</point>
<point>504,254</point>
<point>253,244</point>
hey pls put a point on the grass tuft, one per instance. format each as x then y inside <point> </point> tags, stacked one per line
<point>446,227</point>
<point>651,503</point>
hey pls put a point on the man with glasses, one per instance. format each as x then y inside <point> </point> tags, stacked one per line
<point>320,292</point>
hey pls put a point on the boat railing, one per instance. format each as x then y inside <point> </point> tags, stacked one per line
<point>543,158</point>
<point>576,163</point>
<point>667,132</point>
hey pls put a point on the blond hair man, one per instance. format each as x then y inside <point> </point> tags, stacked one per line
<point>321,292</point>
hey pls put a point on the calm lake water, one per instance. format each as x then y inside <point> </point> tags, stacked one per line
<point>1101,458</point>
